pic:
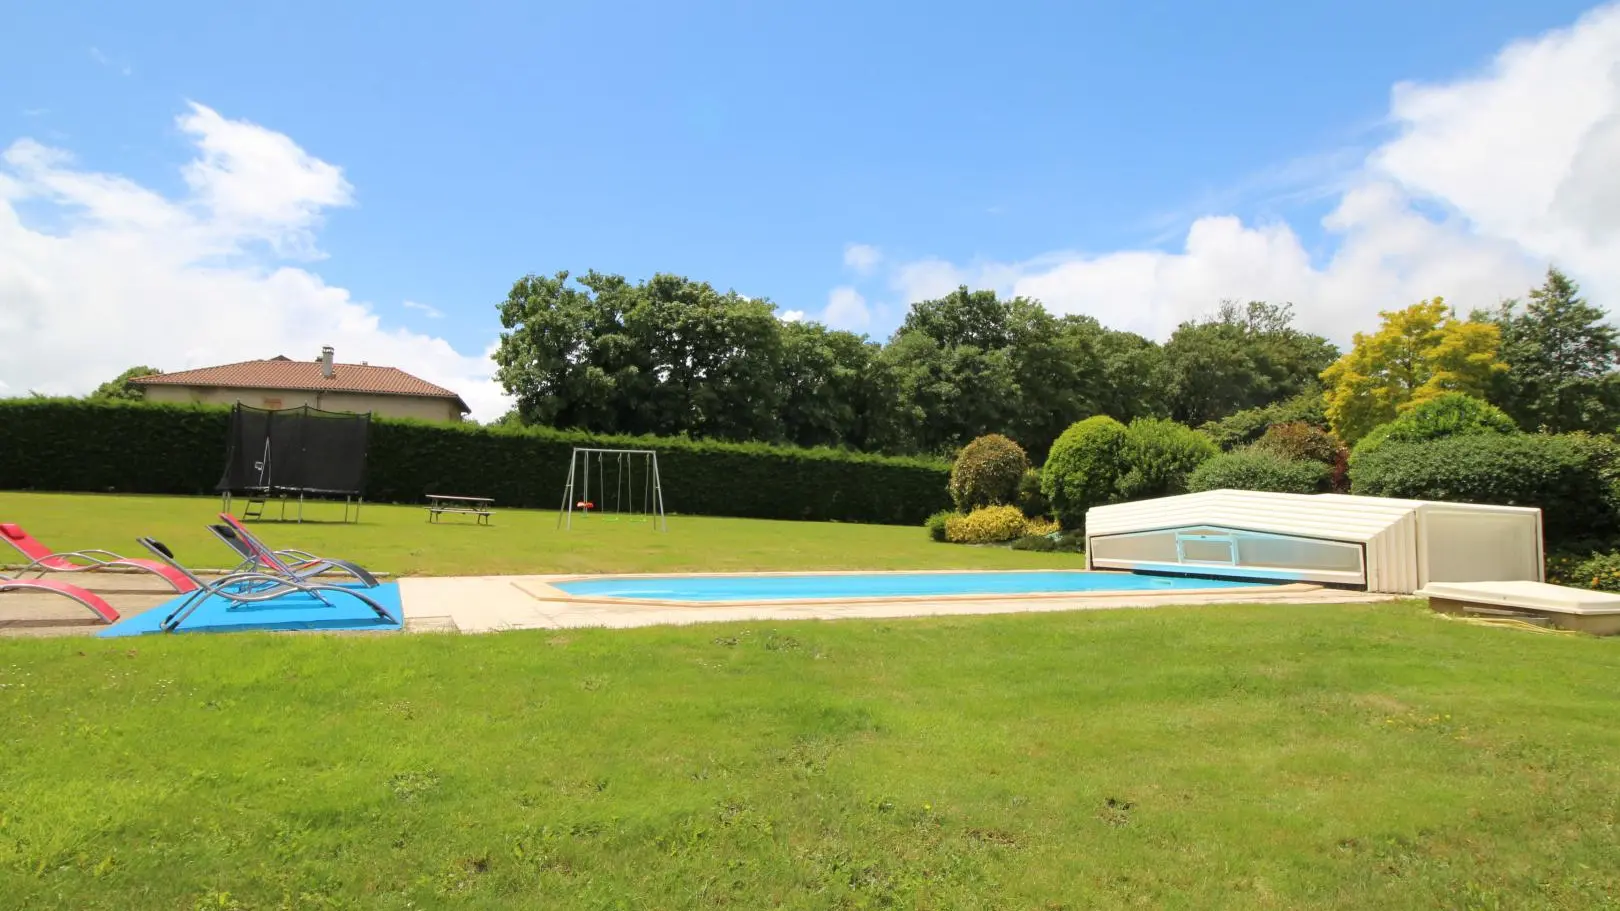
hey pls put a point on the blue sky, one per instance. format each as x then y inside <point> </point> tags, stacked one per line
<point>749,143</point>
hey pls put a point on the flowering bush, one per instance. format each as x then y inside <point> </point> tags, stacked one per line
<point>992,525</point>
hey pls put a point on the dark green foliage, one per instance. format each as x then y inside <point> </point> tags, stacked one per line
<point>1159,455</point>
<point>1257,470</point>
<point>120,387</point>
<point>1084,469</point>
<point>1030,498</point>
<point>1249,425</point>
<point>1599,571</point>
<point>1450,415</point>
<point>1063,542</point>
<point>667,356</point>
<point>1245,356</point>
<point>1299,440</point>
<point>1561,356</point>
<point>55,444</point>
<point>936,524</point>
<point>987,472</point>
<point>1563,476</point>
<point>109,445</point>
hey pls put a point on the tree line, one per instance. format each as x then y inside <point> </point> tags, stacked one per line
<point>671,356</point>
<point>674,356</point>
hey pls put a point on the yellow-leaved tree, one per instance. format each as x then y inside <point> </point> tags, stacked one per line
<point>1416,354</point>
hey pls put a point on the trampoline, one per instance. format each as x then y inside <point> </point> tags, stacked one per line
<point>294,454</point>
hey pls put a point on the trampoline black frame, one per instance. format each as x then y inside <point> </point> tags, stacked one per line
<point>261,494</point>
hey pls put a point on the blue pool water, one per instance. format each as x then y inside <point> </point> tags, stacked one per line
<point>880,585</point>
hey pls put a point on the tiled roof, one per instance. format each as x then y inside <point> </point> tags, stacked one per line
<point>281,373</point>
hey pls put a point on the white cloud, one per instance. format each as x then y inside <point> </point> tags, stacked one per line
<point>846,309</point>
<point>1486,180</point>
<point>792,316</point>
<point>117,274</point>
<point>863,258</point>
<point>123,68</point>
<point>424,309</point>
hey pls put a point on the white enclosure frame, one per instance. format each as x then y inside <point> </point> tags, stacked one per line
<point>653,498</point>
<point>1375,543</point>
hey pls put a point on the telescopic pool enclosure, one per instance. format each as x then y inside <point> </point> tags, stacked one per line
<point>1373,543</point>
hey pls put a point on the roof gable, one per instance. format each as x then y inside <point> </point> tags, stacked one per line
<point>282,373</point>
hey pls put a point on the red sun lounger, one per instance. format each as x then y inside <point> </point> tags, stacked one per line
<point>89,599</point>
<point>47,561</point>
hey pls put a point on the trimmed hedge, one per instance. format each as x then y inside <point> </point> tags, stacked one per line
<point>1451,415</point>
<point>1249,469</point>
<point>1244,427</point>
<point>80,445</point>
<point>1159,456</point>
<point>1561,475</point>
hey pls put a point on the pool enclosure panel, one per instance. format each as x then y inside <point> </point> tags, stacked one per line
<point>1374,543</point>
<point>1208,550</point>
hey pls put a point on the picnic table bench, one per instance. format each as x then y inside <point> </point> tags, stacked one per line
<point>439,504</point>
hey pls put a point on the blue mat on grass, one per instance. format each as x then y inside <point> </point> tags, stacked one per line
<point>289,612</point>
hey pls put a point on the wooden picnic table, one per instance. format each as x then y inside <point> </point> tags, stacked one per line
<point>439,504</point>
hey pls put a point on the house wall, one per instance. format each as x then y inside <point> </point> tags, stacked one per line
<point>421,408</point>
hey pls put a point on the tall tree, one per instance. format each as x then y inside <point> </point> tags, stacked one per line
<point>1245,356</point>
<point>549,357</point>
<point>1561,357</point>
<point>715,357</point>
<point>1416,354</point>
<point>827,394</point>
<point>667,356</point>
<point>121,388</point>
<point>1126,377</point>
<point>971,363</point>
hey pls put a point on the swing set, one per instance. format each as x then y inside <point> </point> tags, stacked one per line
<point>619,503</point>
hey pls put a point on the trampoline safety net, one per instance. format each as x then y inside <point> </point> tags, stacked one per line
<point>296,450</point>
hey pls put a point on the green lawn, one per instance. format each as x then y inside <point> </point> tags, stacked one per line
<point>399,539</point>
<point>1234,757</point>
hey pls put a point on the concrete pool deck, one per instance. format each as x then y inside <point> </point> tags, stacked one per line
<point>484,604</point>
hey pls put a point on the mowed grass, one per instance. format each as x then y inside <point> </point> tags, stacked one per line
<point>1369,756</point>
<point>399,539</point>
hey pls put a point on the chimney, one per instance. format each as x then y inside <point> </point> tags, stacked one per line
<point>326,361</point>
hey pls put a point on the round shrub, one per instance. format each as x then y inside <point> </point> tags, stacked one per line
<point>987,525</point>
<point>1559,474</point>
<point>987,472</point>
<point>1083,469</point>
<point>1030,498</point>
<point>1451,415</point>
<point>1159,455</point>
<point>1299,440</point>
<point>1250,469</point>
<point>936,524</point>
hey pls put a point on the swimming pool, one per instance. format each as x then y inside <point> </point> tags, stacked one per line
<point>881,585</point>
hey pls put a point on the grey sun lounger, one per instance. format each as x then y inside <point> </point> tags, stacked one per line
<point>293,564</point>
<point>250,588</point>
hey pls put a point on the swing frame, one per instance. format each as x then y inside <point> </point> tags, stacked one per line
<point>624,461</point>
